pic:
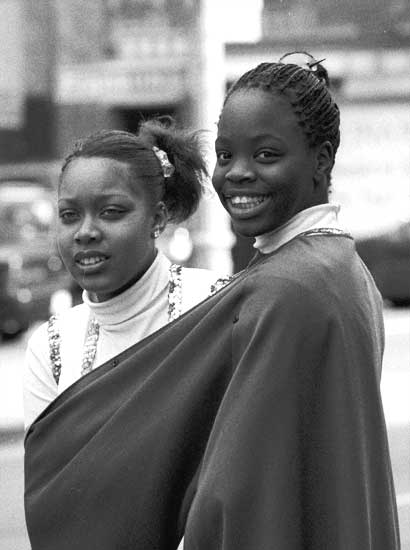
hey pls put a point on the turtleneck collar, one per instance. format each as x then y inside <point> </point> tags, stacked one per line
<point>322,215</point>
<point>135,299</point>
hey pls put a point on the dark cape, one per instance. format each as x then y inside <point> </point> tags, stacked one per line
<point>253,422</point>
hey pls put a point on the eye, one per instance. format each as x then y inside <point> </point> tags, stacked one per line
<point>112,212</point>
<point>68,216</point>
<point>267,156</point>
<point>223,157</point>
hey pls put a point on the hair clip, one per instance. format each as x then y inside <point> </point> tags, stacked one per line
<point>167,168</point>
<point>303,59</point>
<point>306,61</point>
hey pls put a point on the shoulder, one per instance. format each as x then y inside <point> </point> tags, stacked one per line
<point>287,290</point>
<point>283,296</point>
<point>315,276</point>
<point>282,277</point>
<point>72,319</point>
<point>38,338</point>
<point>315,265</point>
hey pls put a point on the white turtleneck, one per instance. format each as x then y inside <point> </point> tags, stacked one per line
<point>124,320</point>
<point>323,215</point>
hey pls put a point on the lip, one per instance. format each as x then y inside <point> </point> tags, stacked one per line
<point>243,208</point>
<point>90,260</point>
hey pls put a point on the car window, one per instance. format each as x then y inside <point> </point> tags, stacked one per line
<point>26,215</point>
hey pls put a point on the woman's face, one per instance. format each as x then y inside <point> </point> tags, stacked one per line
<point>265,170</point>
<point>105,226</point>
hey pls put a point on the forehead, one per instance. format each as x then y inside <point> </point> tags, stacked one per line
<point>254,112</point>
<point>98,174</point>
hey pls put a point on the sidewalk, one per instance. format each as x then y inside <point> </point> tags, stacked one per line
<point>11,399</point>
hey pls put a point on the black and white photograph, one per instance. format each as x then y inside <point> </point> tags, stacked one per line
<point>205,275</point>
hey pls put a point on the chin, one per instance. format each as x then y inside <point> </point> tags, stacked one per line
<point>248,229</point>
<point>244,233</point>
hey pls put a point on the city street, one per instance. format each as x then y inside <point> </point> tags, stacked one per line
<point>396,399</point>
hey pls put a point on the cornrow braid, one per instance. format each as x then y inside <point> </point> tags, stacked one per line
<point>315,109</point>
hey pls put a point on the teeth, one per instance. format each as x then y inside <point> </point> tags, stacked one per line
<point>247,202</point>
<point>91,261</point>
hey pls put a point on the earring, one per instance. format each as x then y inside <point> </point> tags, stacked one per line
<point>156,233</point>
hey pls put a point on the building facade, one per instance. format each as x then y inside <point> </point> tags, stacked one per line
<point>70,68</point>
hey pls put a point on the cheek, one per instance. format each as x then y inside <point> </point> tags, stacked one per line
<point>66,252</point>
<point>62,240</point>
<point>217,178</point>
<point>283,180</point>
<point>135,235</point>
<point>286,199</point>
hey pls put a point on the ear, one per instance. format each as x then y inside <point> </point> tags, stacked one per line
<point>324,164</point>
<point>160,219</point>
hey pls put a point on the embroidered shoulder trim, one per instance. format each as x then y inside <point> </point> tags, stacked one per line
<point>325,231</point>
<point>54,340</point>
<point>90,346</point>
<point>175,292</point>
<point>219,284</point>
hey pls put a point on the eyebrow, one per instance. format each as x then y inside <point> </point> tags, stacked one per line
<point>259,137</point>
<point>105,196</point>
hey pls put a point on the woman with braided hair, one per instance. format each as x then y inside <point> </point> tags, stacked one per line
<point>321,427</point>
<point>254,421</point>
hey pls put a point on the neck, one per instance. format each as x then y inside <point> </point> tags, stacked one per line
<point>104,296</point>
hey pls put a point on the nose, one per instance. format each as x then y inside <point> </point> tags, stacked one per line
<point>239,171</point>
<point>87,231</point>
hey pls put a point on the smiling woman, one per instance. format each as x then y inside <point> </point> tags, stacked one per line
<point>116,193</point>
<point>265,169</point>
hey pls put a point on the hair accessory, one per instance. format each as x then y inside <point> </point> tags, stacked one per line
<point>167,168</point>
<point>306,61</point>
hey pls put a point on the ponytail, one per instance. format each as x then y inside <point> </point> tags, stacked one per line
<point>184,149</point>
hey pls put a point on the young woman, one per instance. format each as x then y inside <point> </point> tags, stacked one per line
<point>117,192</point>
<point>254,421</point>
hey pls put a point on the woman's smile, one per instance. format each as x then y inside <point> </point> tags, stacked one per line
<point>244,206</point>
<point>90,261</point>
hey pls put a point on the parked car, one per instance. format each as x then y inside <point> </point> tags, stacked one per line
<point>33,280</point>
<point>387,255</point>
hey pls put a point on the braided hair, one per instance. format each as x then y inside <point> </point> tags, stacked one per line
<point>306,88</point>
<point>181,191</point>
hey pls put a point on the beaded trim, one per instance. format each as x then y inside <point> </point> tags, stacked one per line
<point>175,292</point>
<point>54,347</point>
<point>93,331</point>
<point>324,231</point>
<point>220,283</point>
<point>90,346</point>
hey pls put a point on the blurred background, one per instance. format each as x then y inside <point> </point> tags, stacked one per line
<point>70,68</point>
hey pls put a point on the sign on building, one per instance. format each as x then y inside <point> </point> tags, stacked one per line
<point>120,84</point>
<point>371,178</point>
<point>11,65</point>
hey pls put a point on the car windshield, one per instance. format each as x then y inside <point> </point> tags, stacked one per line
<point>26,215</point>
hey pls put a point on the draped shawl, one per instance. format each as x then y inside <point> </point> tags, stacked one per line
<point>254,421</point>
